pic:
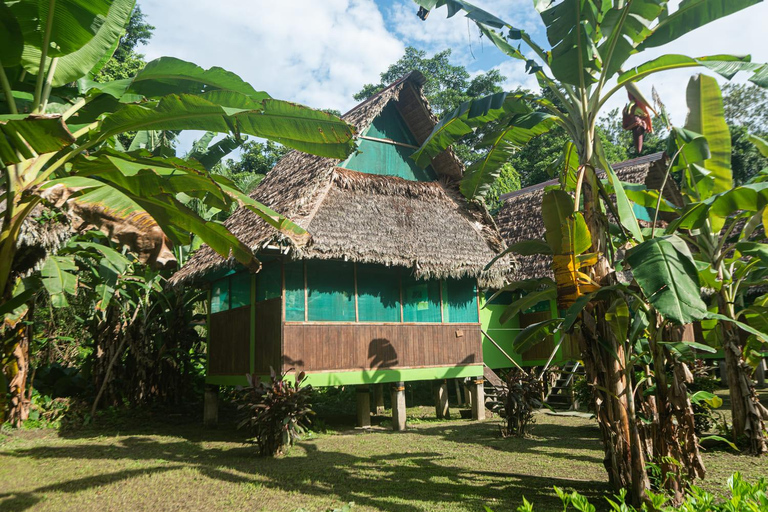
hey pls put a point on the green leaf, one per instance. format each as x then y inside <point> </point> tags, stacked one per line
<point>665,271</point>
<point>43,133</point>
<point>58,279</point>
<point>521,128</point>
<point>618,318</point>
<point>706,117</point>
<point>722,440</point>
<point>691,15</point>
<point>169,75</point>
<point>223,111</point>
<point>534,334</point>
<point>627,216</point>
<point>467,116</point>
<point>95,52</point>
<point>11,39</point>
<point>754,249</point>
<point>760,143</point>
<point>527,301</point>
<point>708,398</point>
<point>725,65</point>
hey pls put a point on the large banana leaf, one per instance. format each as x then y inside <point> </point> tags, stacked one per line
<point>59,278</point>
<point>705,116</point>
<point>225,111</point>
<point>500,145</point>
<point>168,75</point>
<point>691,15</point>
<point>467,116</point>
<point>11,39</point>
<point>535,333</point>
<point>41,133</point>
<point>92,55</point>
<point>667,274</point>
<point>627,216</point>
<point>725,65</point>
<point>573,33</point>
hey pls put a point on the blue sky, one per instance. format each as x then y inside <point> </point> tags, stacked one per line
<point>321,52</point>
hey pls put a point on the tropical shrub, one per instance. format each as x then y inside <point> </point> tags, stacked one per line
<point>745,497</point>
<point>277,412</point>
<point>520,397</point>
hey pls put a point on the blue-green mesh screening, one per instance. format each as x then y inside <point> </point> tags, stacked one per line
<point>330,291</point>
<point>421,300</point>
<point>378,294</point>
<point>294,291</point>
<point>390,125</point>
<point>220,295</point>
<point>239,290</point>
<point>268,279</point>
<point>460,301</point>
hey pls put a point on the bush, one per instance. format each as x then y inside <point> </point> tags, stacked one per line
<point>276,411</point>
<point>745,497</point>
<point>582,392</point>
<point>704,413</point>
<point>520,397</point>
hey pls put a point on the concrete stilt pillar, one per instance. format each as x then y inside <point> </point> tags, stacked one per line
<point>211,406</point>
<point>441,400</point>
<point>398,406</point>
<point>459,398</point>
<point>723,373</point>
<point>378,398</point>
<point>760,374</point>
<point>478,398</point>
<point>363,407</point>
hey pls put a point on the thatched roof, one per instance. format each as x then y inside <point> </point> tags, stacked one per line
<point>520,215</point>
<point>426,226</point>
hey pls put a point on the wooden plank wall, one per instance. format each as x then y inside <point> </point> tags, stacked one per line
<point>318,347</point>
<point>268,317</point>
<point>229,350</point>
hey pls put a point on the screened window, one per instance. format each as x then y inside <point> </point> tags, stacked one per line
<point>294,291</point>
<point>378,294</point>
<point>268,281</point>
<point>421,300</point>
<point>460,301</point>
<point>330,291</point>
<point>231,292</point>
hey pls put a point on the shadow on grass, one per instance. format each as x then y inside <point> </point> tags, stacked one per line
<point>394,482</point>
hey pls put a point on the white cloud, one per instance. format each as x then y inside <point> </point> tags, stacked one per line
<point>318,53</point>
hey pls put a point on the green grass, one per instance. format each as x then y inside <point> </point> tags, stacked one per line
<point>139,463</point>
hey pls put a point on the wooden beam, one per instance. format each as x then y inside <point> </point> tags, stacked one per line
<point>354,271</point>
<point>388,141</point>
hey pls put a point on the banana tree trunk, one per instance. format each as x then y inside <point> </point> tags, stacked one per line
<point>622,443</point>
<point>17,373</point>
<point>748,414</point>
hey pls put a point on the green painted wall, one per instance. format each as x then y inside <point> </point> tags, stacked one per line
<point>387,159</point>
<point>324,379</point>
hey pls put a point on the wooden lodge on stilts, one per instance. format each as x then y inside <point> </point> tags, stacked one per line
<point>386,287</point>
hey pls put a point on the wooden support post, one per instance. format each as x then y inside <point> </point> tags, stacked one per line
<point>211,406</point>
<point>459,396</point>
<point>478,398</point>
<point>723,373</point>
<point>441,400</point>
<point>398,406</point>
<point>363,407</point>
<point>467,393</point>
<point>378,398</point>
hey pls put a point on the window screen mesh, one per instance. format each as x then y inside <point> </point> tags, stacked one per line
<point>268,284</point>
<point>294,291</point>
<point>378,294</point>
<point>460,301</point>
<point>239,290</point>
<point>421,300</point>
<point>330,291</point>
<point>220,295</point>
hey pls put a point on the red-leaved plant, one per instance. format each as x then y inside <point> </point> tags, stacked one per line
<point>277,411</point>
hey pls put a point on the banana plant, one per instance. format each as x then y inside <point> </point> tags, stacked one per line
<point>584,66</point>
<point>59,129</point>
<point>725,226</point>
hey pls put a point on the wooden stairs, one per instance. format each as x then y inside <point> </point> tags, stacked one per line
<point>561,396</point>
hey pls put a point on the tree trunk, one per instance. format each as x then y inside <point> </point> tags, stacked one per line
<point>748,414</point>
<point>17,373</point>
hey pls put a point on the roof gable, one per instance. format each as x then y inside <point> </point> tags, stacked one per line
<point>385,148</point>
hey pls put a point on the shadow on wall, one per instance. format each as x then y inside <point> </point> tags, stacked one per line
<point>381,354</point>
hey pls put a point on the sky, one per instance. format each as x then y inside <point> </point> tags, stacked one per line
<point>321,52</point>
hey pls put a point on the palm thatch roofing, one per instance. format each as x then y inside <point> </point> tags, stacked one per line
<point>370,218</point>
<point>520,218</point>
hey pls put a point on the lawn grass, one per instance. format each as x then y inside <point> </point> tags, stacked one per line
<point>172,463</point>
